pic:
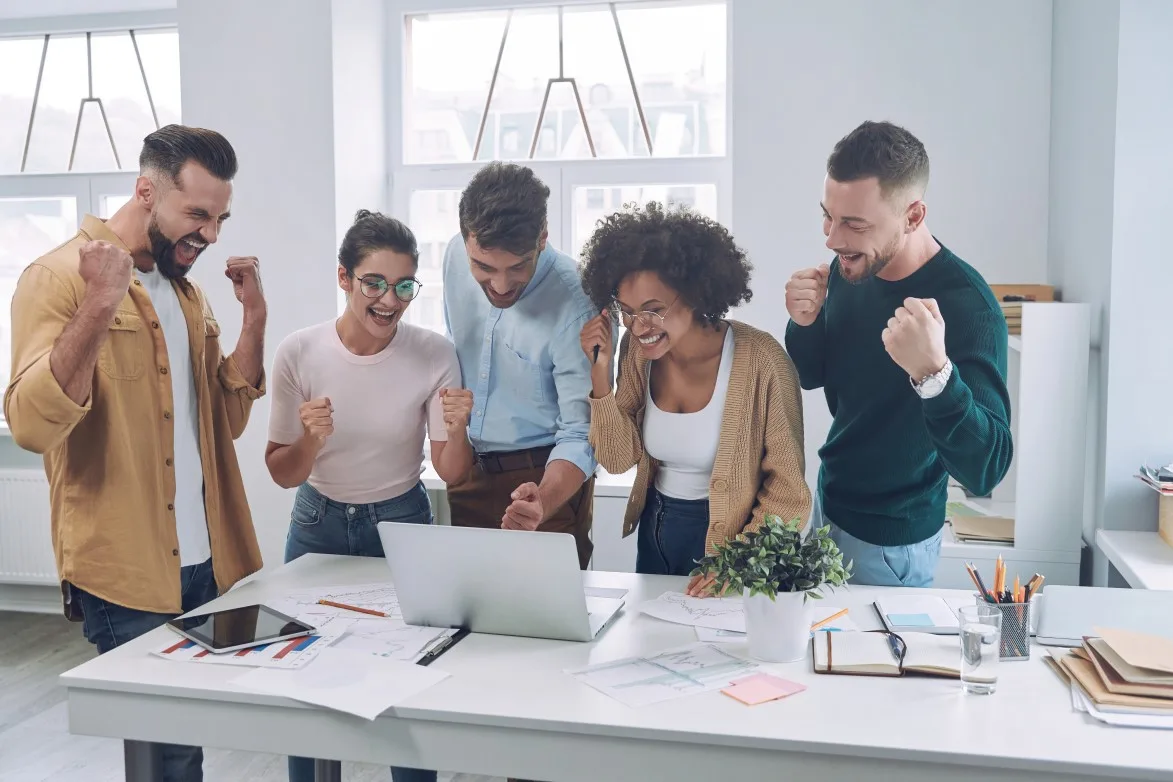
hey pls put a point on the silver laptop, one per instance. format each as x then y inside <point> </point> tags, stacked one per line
<point>1071,612</point>
<point>504,582</point>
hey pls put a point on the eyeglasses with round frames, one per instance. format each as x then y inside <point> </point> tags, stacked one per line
<point>647,318</point>
<point>374,286</point>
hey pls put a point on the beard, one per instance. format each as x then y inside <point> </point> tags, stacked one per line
<point>163,251</point>
<point>871,266</point>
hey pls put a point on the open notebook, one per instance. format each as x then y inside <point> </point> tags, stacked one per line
<point>887,654</point>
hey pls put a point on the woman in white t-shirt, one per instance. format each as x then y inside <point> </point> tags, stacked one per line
<point>352,400</point>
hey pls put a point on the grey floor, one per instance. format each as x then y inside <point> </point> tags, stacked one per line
<point>35,744</point>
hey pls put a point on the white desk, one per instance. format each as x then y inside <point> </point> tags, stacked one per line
<point>509,710</point>
<point>1144,559</point>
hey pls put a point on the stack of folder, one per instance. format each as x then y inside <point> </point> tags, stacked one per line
<point>1123,673</point>
<point>1012,297</point>
<point>971,524</point>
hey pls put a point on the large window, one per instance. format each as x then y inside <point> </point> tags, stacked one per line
<point>74,109</point>
<point>610,104</point>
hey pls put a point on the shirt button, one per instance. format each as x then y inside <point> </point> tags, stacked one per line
<point>167,462</point>
<point>136,282</point>
<point>719,484</point>
<point>154,324</point>
<point>175,552</point>
<point>170,506</point>
<point>478,413</point>
<point>163,370</point>
<point>118,321</point>
<point>484,375</point>
<point>167,415</point>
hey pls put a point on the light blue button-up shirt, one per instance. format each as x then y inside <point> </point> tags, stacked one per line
<point>524,365</point>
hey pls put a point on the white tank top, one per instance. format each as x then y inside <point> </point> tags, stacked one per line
<point>685,444</point>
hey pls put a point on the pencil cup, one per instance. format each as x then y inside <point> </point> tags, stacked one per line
<point>1014,643</point>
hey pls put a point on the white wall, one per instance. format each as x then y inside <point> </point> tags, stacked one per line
<point>1085,45</point>
<point>1141,290</point>
<point>260,72</point>
<point>971,80</point>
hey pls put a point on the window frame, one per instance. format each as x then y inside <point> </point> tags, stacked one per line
<point>562,176</point>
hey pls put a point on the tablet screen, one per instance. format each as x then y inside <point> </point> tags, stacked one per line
<point>237,627</point>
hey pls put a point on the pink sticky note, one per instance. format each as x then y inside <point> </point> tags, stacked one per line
<point>761,688</point>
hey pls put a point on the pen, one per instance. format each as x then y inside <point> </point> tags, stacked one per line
<point>370,611</point>
<point>596,355</point>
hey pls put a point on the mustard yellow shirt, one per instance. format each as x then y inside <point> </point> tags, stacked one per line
<point>109,461</point>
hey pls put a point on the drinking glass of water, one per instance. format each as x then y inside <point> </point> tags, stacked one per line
<point>981,629</point>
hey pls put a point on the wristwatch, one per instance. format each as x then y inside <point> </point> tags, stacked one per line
<point>932,385</point>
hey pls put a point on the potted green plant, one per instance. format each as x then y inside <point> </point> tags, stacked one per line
<point>778,572</point>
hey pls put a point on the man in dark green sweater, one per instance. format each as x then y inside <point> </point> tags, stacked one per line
<point>908,344</point>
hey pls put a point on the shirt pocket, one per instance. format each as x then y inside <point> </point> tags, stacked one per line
<point>121,358</point>
<point>522,377</point>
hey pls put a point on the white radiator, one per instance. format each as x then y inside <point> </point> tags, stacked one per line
<point>26,546</point>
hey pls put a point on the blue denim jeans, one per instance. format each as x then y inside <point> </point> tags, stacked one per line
<point>671,535</point>
<point>320,525</point>
<point>911,566</point>
<point>107,626</point>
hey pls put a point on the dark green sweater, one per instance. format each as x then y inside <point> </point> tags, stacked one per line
<point>889,454</point>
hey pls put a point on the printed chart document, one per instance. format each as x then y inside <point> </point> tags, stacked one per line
<point>386,637</point>
<point>345,680</point>
<point>716,613</point>
<point>638,681</point>
<point>292,653</point>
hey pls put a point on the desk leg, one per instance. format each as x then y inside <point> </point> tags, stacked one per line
<point>142,760</point>
<point>327,770</point>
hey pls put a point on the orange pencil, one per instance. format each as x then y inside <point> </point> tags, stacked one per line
<point>370,611</point>
<point>1017,593</point>
<point>828,620</point>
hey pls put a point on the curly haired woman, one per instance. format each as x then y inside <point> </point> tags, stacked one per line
<point>708,408</point>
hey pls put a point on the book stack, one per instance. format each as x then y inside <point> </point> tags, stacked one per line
<point>1121,677</point>
<point>1012,297</point>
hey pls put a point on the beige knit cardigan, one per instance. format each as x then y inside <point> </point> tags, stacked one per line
<point>760,464</point>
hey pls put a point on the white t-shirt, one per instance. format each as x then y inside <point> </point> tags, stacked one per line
<point>685,444</point>
<point>382,406</point>
<point>191,518</point>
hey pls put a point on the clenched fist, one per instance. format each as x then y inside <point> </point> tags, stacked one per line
<point>106,269</point>
<point>317,420</point>
<point>245,273</point>
<point>525,512</point>
<point>915,338</point>
<point>457,406</point>
<point>806,291</point>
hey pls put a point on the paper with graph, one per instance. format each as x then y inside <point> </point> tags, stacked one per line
<point>387,637</point>
<point>716,613</point>
<point>638,681</point>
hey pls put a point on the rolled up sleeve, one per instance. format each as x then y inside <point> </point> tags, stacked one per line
<point>39,414</point>
<point>572,379</point>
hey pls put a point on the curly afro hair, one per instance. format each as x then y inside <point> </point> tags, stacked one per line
<point>693,254</point>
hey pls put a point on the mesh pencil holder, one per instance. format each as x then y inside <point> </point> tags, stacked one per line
<point>1014,643</point>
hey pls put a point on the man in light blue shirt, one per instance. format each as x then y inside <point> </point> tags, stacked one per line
<point>514,306</point>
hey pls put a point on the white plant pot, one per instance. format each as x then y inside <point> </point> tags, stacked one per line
<point>778,630</point>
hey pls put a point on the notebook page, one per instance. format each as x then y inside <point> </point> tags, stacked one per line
<point>936,652</point>
<point>855,652</point>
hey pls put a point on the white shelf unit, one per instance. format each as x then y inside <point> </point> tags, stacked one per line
<point>1043,491</point>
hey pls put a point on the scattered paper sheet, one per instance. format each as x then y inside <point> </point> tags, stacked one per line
<point>1081,701</point>
<point>638,681</point>
<point>292,653</point>
<point>346,680</point>
<point>761,688</point>
<point>376,597</point>
<point>717,613</point>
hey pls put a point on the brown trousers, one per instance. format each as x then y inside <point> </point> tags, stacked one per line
<point>481,498</point>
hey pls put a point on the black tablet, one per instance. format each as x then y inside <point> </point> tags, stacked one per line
<point>239,628</point>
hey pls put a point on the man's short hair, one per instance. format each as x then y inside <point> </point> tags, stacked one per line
<point>882,150</point>
<point>170,147</point>
<point>504,207</point>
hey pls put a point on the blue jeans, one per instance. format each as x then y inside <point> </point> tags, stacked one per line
<point>910,566</point>
<point>107,626</point>
<point>320,525</point>
<point>671,536</point>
